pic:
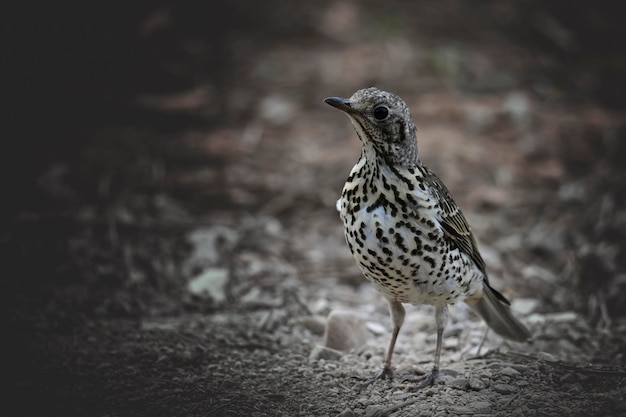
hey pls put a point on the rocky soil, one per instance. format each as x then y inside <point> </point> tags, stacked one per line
<point>182,256</point>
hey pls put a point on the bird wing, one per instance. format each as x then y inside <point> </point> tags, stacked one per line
<point>453,222</point>
<point>456,228</point>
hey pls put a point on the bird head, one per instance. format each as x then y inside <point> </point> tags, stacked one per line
<point>383,123</point>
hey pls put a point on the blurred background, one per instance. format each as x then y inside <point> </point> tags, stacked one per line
<point>162,159</point>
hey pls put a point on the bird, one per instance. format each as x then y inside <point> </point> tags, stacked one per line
<point>404,230</point>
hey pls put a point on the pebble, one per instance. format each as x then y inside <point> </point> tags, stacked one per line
<point>372,410</point>
<point>520,368</point>
<point>504,388</point>
<point>461,410</point>
<point>345,330</point>
<point>548,357</point>
<point>537,401</point>
<point>451,342</point>
<point>481,406</point>
<point>522,383</point>
<point>459,383</point>
<point>510,372</point>
<point>363,401</point>
<point>450,372</point>
<point>211,281</point>
<point>519,412</point>
<point>485,373</point>
<point>476,384</point>
<point>401,395</point>
<point>346,413</point>
<point>495,365</point>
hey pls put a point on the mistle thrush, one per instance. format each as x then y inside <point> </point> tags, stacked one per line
<point>404,230</point>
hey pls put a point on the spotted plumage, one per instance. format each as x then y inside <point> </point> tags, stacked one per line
<point>404,230</point>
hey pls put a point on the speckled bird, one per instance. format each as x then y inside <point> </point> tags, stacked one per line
<point>405,232</point>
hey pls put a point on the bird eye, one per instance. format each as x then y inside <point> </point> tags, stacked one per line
<point>381,113</point>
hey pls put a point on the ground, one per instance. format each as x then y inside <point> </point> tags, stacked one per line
<point>172,247</point>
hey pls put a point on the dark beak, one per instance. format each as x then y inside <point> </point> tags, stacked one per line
<point>340,103</point>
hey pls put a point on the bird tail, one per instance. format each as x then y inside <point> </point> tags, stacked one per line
<point>494,308</point>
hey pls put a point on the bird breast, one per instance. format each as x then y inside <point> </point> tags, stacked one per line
<point>394,234</point>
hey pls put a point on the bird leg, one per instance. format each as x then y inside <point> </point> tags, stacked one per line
<point>397,317</point>
<point>441,317</point>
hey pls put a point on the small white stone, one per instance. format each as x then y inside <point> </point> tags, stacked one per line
<point>476,384</point>
<point>212,282</point>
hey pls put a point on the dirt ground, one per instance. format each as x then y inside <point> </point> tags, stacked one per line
<point>170,240</point>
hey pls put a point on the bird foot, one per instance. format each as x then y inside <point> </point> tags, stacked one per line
<point>385,373</point>
<point>427,380</point>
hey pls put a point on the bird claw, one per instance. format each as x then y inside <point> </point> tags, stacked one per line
<point>427,380</point>
<point>386,373</point>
